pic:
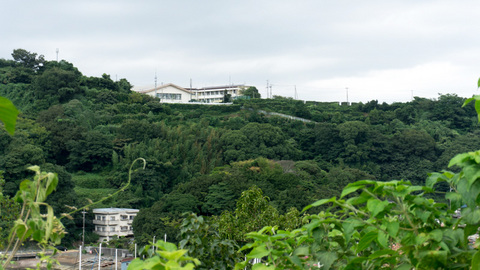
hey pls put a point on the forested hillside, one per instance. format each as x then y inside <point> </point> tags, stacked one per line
<point>200,158</point>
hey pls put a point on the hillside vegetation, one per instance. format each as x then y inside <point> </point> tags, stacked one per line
<point>201,158</point>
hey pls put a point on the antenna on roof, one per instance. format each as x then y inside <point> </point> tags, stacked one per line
<point>267,89</point>
<point>155,83</point>
<point>346,88</point>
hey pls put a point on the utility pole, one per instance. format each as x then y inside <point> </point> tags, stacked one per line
<point>267,90</point>
<point>156,83</point>
<point>83,234</point>
<point>347,94</point>
<point>296,96</point>
<point>153,246</point>
<point>57,54</point>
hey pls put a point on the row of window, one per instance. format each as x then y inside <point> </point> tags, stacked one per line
<point>169,96</point>
<point>211,100</point>
<point>113,228</point>
<point>213,93</point>
<point>113,218</point>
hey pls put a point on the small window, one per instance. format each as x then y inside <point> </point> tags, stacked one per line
<point>112,229</point>
<point>112,218</point>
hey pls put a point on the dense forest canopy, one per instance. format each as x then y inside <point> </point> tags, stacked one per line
<point>200,158</point>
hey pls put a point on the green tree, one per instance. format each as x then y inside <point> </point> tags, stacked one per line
<point>9,211</point>
<point>253,212</point>
<point>251,92</point>
<point>200,238</point>
<point>92,152</point>
<point>27,59</point>
<point>55,86</point>
<point>226,97</point>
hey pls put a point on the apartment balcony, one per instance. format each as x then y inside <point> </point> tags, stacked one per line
<point>105,222</point>
<point>105,233</point>
<point>117,233</point>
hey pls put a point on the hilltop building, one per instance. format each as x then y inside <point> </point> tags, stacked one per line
<point>215,94</point>
<point>171,93</point>
<point>113,221</point>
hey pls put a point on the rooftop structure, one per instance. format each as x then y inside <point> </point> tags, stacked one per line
<point>114,222</point>
<point>215,94</point>
<point>170,93</point>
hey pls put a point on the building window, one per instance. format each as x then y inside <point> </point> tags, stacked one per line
<point>98,217</point>
<point>112,218</point>
<point>124,228</point>
<point>132,217</point>
<point>112,229</point>
<point>170,96</point>
<point>103,218</point>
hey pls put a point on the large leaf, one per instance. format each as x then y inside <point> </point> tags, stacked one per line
<point>476,261</point>
<point>8,114</point>
<point>260,266</point>
<point>376,206</point>
<point>477,108</point>
<point>366,240</point>
<point>352,187</point>
<point>318,203</point>
<point>392,228</point>
<point>327,259</point>
<point>258,252</point>
<point>472,173</point>
<point>460,158</point>
<point>382,239</point>
<point>381,253</point>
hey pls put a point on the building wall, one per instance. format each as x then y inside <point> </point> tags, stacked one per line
<point>113,221</point>
<point>170,94</point>
<point>214,95</point>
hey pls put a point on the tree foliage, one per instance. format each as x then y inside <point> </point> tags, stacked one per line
<point>200,158</point>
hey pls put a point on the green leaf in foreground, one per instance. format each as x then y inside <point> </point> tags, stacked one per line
<point>8,114</point>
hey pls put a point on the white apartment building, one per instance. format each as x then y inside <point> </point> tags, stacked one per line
<point>114,221</point>
<point>215,94</point>
<point>171,93</point>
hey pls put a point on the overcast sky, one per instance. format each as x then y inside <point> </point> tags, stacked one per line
<point>384,50</point>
